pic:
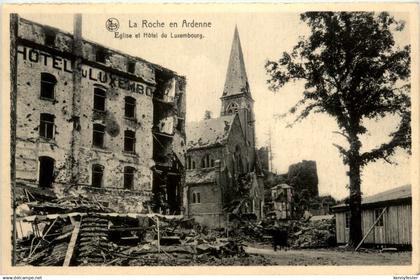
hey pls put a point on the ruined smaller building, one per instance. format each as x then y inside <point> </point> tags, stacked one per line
<point>281,202</point>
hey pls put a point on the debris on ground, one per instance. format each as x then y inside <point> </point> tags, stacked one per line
<point>312,233</point>
<point>77,231</point>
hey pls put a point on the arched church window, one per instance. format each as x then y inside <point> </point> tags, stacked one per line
<point>207,161</point>
<point>232,108</point>
<point>238,159</point>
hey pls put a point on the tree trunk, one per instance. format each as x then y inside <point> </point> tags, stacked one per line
<point>355,200</point>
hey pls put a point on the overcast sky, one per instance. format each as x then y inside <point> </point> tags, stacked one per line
<point>204,63</point>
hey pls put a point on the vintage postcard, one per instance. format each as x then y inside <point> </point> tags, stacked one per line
<point>210,138</point>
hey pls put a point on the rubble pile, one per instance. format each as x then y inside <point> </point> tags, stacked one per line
<point>90,238</point>
<point>69,204</point>
<point>251,231</point>
<point>312,234</point>
<point>46,247</point>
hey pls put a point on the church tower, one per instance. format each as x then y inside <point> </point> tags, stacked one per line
<point>236,96</point>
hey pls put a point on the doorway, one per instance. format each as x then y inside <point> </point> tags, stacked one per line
<point>46,172</point>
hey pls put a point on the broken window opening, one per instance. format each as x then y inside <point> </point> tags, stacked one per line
<point>48,82</point>
<point>97,175</point>
<point>130,107</point>
<point>180,124</point>
<point>188,162</point>
<point>131,67</point>
<point>46,171</point>
<point>99,99</point>
<point>129,177</point>
<point>100,55</point>
<point>98,135</point>
<point>50,37</point>
<point>46,126</point>
<point>129,141</point>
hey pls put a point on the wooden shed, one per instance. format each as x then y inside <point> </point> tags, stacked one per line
<point>394,226</point>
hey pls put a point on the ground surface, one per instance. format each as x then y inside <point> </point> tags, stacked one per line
<point>330,256</point>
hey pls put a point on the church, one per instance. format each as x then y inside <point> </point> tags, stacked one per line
<point>222,175</point>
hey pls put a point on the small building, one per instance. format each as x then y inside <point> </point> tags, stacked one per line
<point>394,226</point>
<point>282,201</point>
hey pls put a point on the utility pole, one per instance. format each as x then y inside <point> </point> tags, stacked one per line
<point>270,155</point>
<point>77,52</point>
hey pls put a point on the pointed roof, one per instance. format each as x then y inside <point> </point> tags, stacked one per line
<point>236,79</point>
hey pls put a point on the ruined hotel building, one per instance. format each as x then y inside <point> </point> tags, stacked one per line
<point>97,122</point>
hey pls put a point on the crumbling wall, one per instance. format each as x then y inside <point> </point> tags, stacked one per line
<point>179,141</point>
<point>112,156</point>
<point>30,146</point>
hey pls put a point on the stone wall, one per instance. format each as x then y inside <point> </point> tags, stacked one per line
<point>29,108</point>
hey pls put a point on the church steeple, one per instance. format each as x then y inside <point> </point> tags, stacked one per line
<point>236,79</point>
<point>236,97</point>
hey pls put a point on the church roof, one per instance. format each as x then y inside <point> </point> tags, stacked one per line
<point>200,176</point>
<point>236,79</point>
<point>209,132</point>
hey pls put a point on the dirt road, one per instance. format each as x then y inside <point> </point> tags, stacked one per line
<point>331,257</point>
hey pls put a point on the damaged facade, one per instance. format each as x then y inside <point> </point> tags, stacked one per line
<point>97,122</point>
<point>222,178</point>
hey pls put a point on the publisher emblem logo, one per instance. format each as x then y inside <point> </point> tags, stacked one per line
<point>112,24</point>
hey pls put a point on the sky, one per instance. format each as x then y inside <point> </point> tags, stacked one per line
<point>264,36</point>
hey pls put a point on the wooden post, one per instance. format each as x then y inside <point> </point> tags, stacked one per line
<point>72,243</point>
<point>370,229</point>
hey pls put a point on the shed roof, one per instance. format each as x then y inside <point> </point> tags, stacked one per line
<point>209,132</point>
<point>400,193</point>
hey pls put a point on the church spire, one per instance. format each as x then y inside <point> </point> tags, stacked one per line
<point>236,78</point>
